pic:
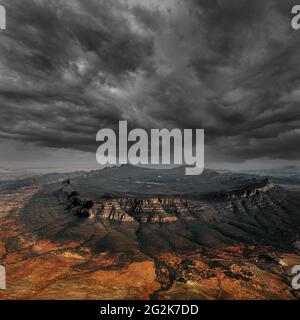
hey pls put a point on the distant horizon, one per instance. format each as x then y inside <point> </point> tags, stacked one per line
<point>29,170</point>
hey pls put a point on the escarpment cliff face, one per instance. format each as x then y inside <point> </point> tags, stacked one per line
<point>142,210</point>
<point>260,213</point>
<point>106,236</point>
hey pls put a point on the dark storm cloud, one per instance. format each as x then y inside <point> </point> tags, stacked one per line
<point>60,61</point>
<point>70,68</point>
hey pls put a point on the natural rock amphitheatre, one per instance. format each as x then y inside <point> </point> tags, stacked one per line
<point>157,235</point>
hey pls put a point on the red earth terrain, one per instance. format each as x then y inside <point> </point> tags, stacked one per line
<point>58,243</point>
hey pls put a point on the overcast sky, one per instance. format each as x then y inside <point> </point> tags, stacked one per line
<point>71,67</point>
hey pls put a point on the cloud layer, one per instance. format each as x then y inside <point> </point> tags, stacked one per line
<point>71,67</point>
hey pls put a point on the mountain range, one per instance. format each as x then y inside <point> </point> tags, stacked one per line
<point>138,233</point>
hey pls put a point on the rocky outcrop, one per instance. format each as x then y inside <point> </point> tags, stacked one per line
<point>154,210</point>
<point>165,210</point>
<point>111,210</point>
<point>245,191</point>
